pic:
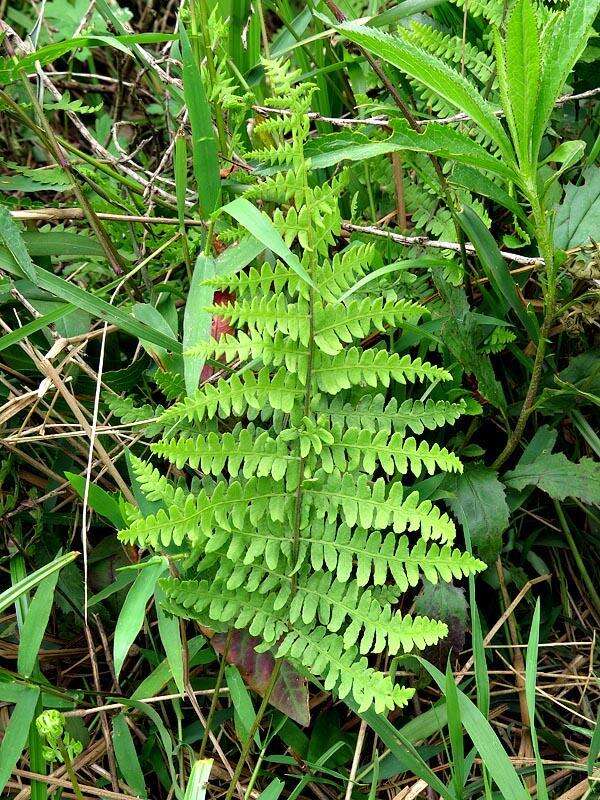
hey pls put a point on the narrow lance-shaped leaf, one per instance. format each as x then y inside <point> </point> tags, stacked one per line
<point>16,732</point>
<point>562,45</point>
<point>10,237</point>
<point>196,320</point>
<point>495,268</point>
<point>35,624</point>
<point>261,227</point>
<point>9,596</point>
<point>522,71</point>
<point>126,755</point>
<point>204,145</point>
<point>133,611</point>
<point>436,75</point>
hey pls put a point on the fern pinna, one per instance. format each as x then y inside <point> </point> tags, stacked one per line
<point>297,527</point>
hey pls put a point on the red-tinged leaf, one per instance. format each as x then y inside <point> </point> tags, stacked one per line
<point>290,695</point>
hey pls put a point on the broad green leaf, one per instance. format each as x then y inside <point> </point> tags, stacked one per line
<point>196,320</point>
<point>261,227</point>
<point>530,682</point>
<point>238,256</point>
<point>485,740</point>
<point>478,497</point>
<point>448,143</point>
<point>522,71</point>
<point>562,45</point>
<point>495,268</point>
<point>170,636</point>
<point>34,627</point>
<point>154,320</point>
<point>131,617</point>
<point>62,244</point>
<point>446,603</point>
<point>101,501</point>
<point>441,140</point>
<point>12,594</point>
<point>126,755</point>
<point>89,302</point>
<point>578,216</point>
<point>10,237</point>
<point>558,477</point>
<point>16,733</point>
<point>198,780</point>
<point>436,75</point>
<point>205,154</point>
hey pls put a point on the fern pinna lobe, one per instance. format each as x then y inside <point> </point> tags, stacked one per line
<point>299,527</point>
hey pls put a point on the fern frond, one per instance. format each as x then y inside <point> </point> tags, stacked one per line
<point>373,367</point>
<point>356,448</point>
<point>237,395</point>
<point>248,450</point>
<point>375,505</point>
<point>325,653</point>
<point>374,414</point>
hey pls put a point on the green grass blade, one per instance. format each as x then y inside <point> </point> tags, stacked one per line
<point>132,615</point>
<point>126,755</point>
<point>485,740</point>
<point>205,154</point>
<point>35,624</point>
<point>11,595</point>
<point>16,733</point>
<point>531,662</point>
<point>94,305</point>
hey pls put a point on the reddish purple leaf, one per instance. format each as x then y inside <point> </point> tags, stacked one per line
<point>290,695</point>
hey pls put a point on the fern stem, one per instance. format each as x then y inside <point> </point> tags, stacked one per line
<point>216,693</point>
<point>252,732</point>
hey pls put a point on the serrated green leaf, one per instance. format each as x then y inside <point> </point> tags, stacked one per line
<point>478,497</point>
<point>10,237</point>
<point>436,75</point>
<point>563,43</point>
<point>559,477</point>
<point>578,216</point>
<point>522,71</point>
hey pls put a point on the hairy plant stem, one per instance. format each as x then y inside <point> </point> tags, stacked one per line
<point>546,247</point>
<point>378,69</point>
